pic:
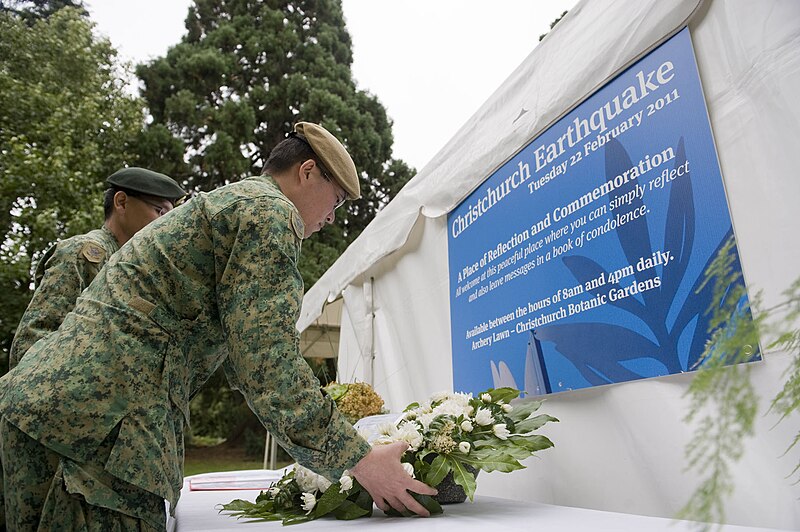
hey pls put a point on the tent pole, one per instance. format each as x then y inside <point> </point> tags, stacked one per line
<point>370,295</point>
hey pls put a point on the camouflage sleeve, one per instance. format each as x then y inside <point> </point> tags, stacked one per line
<point>66,274</point>
<point>259,291</point>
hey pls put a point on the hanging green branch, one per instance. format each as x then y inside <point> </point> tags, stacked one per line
<point>723,399</point>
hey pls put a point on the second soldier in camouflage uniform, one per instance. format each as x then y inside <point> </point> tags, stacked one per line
<point>135,197</point>
<point>104,401</point>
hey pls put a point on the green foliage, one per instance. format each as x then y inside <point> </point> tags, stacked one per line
<point>33,10</point>
<point>254,441</point>
<point>284,502</point>
<point>66,123</point>
<point>216,409</point>
<point>452,433</point>
<point>723,400</point>
<point>788,339</point>
<point>237,82</point>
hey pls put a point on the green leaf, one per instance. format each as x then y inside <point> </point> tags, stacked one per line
<point>503,394</point>
<point>517,452</point>
<point>463,478</point>
<point>429,503</point>
<point>425,500</point>
<point>329,500</point>
<point>439,469</point>
<point>535,442</point>
<point>350,510</point>
<point>412,406</point>
<point>335,390</point>
<point>364,500</point>
<point>523,409</point>
<point>296,519</point>
<point>236,506</point>
<point>531,424</point>
<point>492,460</point>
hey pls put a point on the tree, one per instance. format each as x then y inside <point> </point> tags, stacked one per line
<point>234,86</point>
<point>66,123</point>
<point>238,81</point>
<point>33,10</point>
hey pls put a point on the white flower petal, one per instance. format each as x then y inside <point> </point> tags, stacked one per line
<point>501,431</point>
<point>483,417</point>
<point>309,501</point>
<point>323,484</point>
<point>346,482</point>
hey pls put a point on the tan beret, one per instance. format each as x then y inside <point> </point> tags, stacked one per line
<point>332,155</point>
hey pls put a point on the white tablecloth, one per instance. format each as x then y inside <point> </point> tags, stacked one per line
<point>195,512</point>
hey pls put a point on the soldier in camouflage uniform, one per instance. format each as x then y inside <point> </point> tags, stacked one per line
<point>135,197</point>
<point>103,402</point>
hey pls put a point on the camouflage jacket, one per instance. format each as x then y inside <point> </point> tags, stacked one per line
<point>64,271</point>
<point>214,280</point>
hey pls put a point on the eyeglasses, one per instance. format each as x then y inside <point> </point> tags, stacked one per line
<point>339,202</point>
<point>160,209</point>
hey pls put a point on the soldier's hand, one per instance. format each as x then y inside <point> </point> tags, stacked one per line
<point>382,475</point>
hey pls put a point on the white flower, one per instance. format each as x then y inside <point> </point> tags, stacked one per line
<point>501,431</point>
<point>310,481</point>
<point>409,469</point>
<point>486,398</point>
<point>408,433</point>
<point>464,447</point>
<point>387,433</point>
<point>387,429</point>
<point>439,396</point>
<point>483,417</point>
<point>466,426</point>
<point>456,405</point>
<point>425,420</point>
<point>305,478</point>
<point>346,482</point>
<point>273,491</point>
<point>323,484</point>
<point>309,501</point>
<point>507,408</point>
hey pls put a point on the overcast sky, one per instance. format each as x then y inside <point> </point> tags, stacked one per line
<point>431,63</point>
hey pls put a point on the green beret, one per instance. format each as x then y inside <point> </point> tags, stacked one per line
<point>332,155</point>
<point>146,182</point>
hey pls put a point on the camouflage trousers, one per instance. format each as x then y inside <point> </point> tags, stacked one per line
<point>44,491</point>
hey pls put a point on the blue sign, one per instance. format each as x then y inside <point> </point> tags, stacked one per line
<point>580,261</point>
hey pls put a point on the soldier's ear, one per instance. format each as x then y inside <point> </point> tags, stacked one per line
<point>120,200</point>
<point>305,168</point>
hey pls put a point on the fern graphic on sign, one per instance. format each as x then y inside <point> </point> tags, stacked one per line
<point>665,327</point>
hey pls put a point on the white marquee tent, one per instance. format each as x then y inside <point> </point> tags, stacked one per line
<point>619,447</point>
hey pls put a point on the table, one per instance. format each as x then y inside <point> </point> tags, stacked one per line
<point>196,513</point>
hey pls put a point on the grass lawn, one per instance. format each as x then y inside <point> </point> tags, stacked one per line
<point>197,466</point>
<point>202,459</point>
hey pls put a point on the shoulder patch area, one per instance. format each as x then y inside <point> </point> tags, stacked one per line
<point>298,225</point>
<point>93,252</point>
